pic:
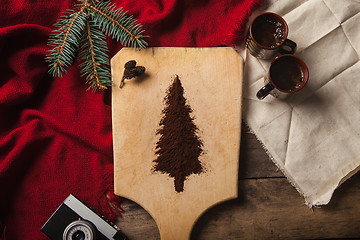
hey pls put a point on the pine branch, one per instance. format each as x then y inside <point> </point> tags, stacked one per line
<point>65,40</point>
<point>93,53</point>
<point>85,29</point>
<point>117,24</point>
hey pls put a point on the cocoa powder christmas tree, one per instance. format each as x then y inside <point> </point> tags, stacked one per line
<point>179,146</point>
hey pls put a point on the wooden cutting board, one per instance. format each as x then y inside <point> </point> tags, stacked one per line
<point>212,81</point>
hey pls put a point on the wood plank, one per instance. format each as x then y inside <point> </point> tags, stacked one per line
<point>273,209</point>
<point>136,223</point>
<point>266,209</point>
<point>254,162</point>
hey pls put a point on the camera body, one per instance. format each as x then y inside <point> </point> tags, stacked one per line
<point>73,220</point>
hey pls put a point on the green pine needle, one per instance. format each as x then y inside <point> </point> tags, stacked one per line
<point>117,24</point>
<point>65,41</point>
<point>84,30</point>
<point>93,53</point>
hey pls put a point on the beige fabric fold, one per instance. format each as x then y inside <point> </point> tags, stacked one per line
<point>314,135</point>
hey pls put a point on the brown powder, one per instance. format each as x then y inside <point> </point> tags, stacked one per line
<point>179,146</point>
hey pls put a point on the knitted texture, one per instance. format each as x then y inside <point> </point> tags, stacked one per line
<point>56,137</point>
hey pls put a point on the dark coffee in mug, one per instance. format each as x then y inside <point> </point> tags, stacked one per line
<point>268,32</point>
<point>286,74</point>
<point>267,37</point>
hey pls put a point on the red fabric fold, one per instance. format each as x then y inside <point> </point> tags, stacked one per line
<point>55,137</point>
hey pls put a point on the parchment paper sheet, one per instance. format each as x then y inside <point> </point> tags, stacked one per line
<point>313,136</point>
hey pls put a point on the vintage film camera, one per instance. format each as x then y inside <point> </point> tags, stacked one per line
<point>73,220</point>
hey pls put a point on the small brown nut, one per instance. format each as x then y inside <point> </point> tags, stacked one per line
<point>131,72</point>
<point>138,70</point>
<point>130,64</point>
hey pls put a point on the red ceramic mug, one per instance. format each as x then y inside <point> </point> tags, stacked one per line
<point>267,36</point>
<point>287,74</point>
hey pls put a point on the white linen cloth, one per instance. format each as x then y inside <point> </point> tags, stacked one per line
<point>314,135</point>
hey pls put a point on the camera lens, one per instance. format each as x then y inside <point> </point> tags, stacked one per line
<point>79,230</point>
<point>78,235</point>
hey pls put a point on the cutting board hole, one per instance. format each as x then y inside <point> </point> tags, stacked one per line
<point>136,223</point>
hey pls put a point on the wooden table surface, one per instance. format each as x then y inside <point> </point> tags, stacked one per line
<point>268,207</point>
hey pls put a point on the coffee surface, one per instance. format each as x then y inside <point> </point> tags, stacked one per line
<point>286,74</point>
<point>268,32</point>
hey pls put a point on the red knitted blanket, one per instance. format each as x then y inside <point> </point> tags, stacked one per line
<point>55,137</point>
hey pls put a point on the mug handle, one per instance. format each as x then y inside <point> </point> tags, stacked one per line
<point>288,47</point>
<point>264,91</point>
